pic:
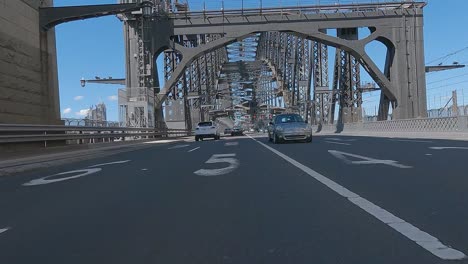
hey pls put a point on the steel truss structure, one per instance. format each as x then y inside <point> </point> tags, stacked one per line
<point>289,61</point>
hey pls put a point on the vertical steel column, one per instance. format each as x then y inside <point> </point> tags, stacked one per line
<point>349,81</point>
<point>335,86</point>
<point>322,94</point>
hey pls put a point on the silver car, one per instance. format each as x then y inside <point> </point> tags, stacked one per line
<point>289,127</point>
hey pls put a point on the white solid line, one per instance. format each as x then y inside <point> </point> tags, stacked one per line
<point>441,148</point>
<point>231,144</point>
<point>110,163</point>
<point>193,149</point>
<point>338,143</point>
<point>409,140</point>
<point>2,230</point>
<point>428,154</point>
<point>423,239</point>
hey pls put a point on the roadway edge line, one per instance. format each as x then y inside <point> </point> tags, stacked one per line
<point>423,239</point>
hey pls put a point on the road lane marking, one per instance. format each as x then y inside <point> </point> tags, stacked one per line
<point>179,146</point>
<point>219,158</point>
<point>44,180</point>
<point>441,148</point>
<point>193,149</point>
<point>229,144</point>
<point>163,141</point>
<point>109,163</point>
<point>338,143</point>
<point>3,230</point>
<point>409,140</point>
<point>365,160</point>
<point>428,154</point>
<point>340,139</point>
<point>423,239</point>
<point>144,169</point>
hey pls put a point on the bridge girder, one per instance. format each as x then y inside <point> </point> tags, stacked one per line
<point>404,90</point>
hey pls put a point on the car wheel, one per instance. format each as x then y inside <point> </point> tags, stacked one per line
<point>197,138</point>
<point>309,140</point>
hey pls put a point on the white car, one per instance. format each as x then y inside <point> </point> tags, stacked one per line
<point>207,129</point>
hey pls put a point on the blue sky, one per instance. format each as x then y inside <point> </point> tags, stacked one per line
<point>95,47</point>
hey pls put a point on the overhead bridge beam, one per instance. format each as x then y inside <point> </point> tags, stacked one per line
<point>443,67</point>
<point>49,17</point>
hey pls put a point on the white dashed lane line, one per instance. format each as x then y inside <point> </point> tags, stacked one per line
<point>179,146</point>
<point>193,149</point>
<point>442,148</point>
<point>423,239</point>
<point>109,163</point>
<point>410,140</point>
<point>338,143</point>
<point>3,230</point>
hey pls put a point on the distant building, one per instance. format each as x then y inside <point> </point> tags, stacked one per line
<point>97,113</point>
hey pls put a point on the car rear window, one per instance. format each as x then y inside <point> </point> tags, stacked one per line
<point>204,124</point>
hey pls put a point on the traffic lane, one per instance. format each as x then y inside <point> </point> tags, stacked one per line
<point>179,194</point>
<point>107,217</point>
<point>431,195</point>
<point>9,182</point>
<point>268,211</point>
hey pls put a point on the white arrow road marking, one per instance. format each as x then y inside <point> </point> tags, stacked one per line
<point>220,158</point>
<point>109,163</point>
<point>423,239</point>
<point>179,146</point>
<point>44,180</point>
<point>365,160</point>
<point>441,148</point>
<point>193,149</point>
<point>2,230</point>
<point>338,143</point>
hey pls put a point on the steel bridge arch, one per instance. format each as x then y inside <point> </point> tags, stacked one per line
<point>354,47</point>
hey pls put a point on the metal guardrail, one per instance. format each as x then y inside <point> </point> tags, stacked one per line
<point>18,133</point>
<point>440,124</point>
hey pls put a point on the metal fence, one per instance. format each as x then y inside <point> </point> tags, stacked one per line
<point>80,134</point>
<point>441,124</point>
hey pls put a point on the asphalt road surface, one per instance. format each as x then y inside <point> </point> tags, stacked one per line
<point>243,200</point>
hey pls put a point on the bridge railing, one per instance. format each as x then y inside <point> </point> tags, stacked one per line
<point>81,134</point>
<point>439,124</point>
<point>90,122</point>
<point>305,8</point>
